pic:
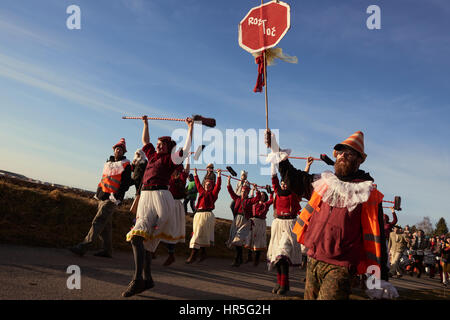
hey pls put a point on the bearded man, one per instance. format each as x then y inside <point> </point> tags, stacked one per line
<point>342,224</point>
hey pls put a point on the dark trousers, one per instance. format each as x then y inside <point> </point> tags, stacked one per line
<point>101,227</point>
<point>191,203</point>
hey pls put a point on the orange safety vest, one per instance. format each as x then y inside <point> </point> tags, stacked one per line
<point>369,222</point>
<point>112,175</point>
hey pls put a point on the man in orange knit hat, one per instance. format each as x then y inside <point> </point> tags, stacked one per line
<point>116,180</point>
<point>342,224</point>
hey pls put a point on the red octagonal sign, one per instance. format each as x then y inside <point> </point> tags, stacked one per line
<point>264,26</point>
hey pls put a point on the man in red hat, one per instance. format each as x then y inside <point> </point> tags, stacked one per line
<point>342,224</point>
<point>116,179</point>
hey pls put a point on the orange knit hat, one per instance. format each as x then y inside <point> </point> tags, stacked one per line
<point>355,141</point>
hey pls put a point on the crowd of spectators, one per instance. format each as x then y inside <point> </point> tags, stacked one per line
<point>413,253</point>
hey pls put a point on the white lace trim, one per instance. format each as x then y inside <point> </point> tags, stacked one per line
<point>276,157</point>
<point>113,168</point>
<point>341,194</point>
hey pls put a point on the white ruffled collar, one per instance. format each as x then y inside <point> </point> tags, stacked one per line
<point>341,194</point>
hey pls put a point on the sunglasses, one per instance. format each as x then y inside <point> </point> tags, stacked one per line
<point>348,153</point>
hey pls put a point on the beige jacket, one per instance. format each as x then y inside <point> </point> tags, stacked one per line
<point>397,242</point>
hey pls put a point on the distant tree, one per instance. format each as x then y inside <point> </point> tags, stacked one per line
<point>441,227</point>
<point>425,225</point>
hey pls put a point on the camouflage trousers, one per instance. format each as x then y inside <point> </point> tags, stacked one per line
<point>326,281</point>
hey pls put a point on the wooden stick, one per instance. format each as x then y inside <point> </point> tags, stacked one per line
<point>155,118</point>
<point>225,175</point>
<point>303,158</point>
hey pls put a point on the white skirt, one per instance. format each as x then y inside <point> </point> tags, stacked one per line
<point>283,243</point>
<point>159,217</point>
<point>239,231</point>
<point>257,239</point>
<point>202,230</point>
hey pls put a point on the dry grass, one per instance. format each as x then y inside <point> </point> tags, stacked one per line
<point>38,215</point>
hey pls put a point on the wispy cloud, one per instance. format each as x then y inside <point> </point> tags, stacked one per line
<point>75,91</point>
<point>15,28</point>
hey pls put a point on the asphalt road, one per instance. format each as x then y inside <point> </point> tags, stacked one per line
<point>35,273</point>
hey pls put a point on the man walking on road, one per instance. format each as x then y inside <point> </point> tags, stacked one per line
<point>342,224</point>
<point>397,245</point>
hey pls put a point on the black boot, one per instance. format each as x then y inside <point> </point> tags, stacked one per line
<point>238,259</point>
<point>135,287</point>
<point>249,257</point>
<point>257,256</point>
<point>202,254</point>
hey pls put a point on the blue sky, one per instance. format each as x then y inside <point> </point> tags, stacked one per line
<point>63,92</point>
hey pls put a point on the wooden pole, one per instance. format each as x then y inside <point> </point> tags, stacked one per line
<point>266,97</point>
<point>265,81</point>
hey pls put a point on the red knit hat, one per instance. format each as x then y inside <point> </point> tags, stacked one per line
<point>121,144</point>
<point>355,141</point>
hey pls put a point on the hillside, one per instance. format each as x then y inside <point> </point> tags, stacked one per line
<point>40,214</point>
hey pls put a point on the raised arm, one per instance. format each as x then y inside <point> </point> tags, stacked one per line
<point>187,167</point>
<point>233,195</point>
<point>187,144</point>
<point>394,217</point>
<point>178,157</point>
<point>275,183</point>
<point>218,185</point>
<point>256,198</point>
<point>309,162</point>
<point>145,134</point>
<point>197,183</point>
